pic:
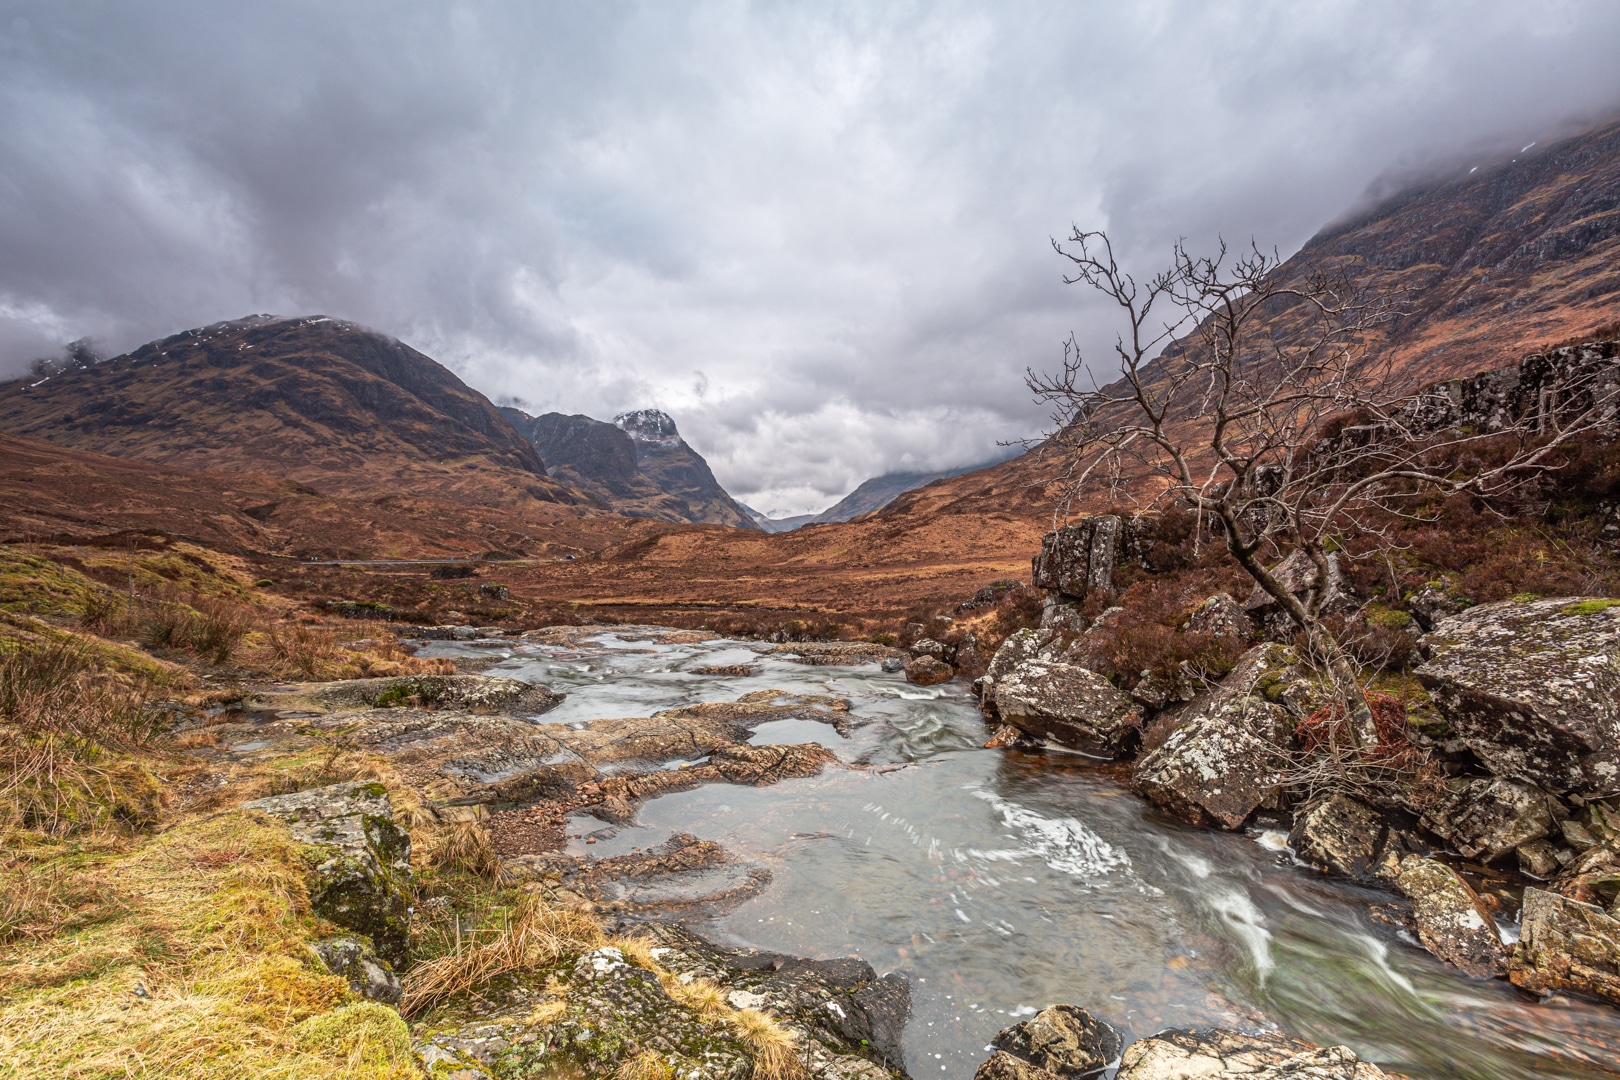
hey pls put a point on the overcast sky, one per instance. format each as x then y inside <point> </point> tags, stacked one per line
<point>815,233</point>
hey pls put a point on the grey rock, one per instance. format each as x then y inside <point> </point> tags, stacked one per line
<point>1299,576</point>
<point>1433,602</point>
<point>1062,614</point>
<point>1068,705</point>
<point>1566,945</point>
<point>1222,617</point>
<point>493,591</point>
<point>1487,819</point>
<point>1228,750</point>
<point>1063,1040</point>
<point>928,647</point>
<point>1081,558</point>
<point>1451,922</point>
<point>892,664</point>
<point>1533,689</point>
<point>1539,858</point>
<point>1339,834</point>
<point>353,959</point>
<point>1021,645</point>
<point>1218,1055</point>
<point>363,872</point>
<point>468,693</point>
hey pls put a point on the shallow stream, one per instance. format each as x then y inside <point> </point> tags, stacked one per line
<point>1001,883</point>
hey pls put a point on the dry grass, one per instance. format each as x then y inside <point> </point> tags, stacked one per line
<point>705,998</point>
<point>196,969</point>
<point>465,847</point>
<point>312,653</point>
<point>644,1066</point>
<point>774,1047</point>
<point>535,935</point>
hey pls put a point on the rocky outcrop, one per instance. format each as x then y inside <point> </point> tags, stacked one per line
<point>1217,1055</point>
<point>1451,922</point>
<point>1068,705</point>
<point>362,860</point>
<point>1300,576</point>
<point>601,1012</point>
<point>1345,836</point>
<point>1060,1040</point>
<point>1081,558</point>
<point>1566,945</point>
<point>928,670</point>
<point>1228,751</point>
<point>354,960</point>
<point>1487,819</point>
<point>1533,689</point>
<point>465,693</point>
<point>1223,618</point>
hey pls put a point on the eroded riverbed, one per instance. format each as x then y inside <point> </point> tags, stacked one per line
<point>1002,883</point>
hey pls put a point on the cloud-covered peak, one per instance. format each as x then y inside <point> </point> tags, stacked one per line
<point>648,425</point>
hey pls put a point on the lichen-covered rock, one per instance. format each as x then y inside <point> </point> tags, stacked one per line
<point>361,859</point>
<point>1069,705</point>
<point>1487,819</point>
<point>1566,945</point>
<point>1221,617</point>
<point>1003,1066</point>
<point>1061,1039</point>
<point>1533,689</point>
<point>1436,600</point>
<point>928,647</point>
<point>928,670</point>
<point>1339,834</point>
<point>353,959</point>
<point>1062,614</point>
<point>1299,575</point>
<point>1218,1055</point>
<point>1228,750</point>
<point>465,693</point>
<point>1451,922</point>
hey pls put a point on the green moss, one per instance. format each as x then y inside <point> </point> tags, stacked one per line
<point>1389,618</point>
<point>34,585</point>
<point>365,1033</point>
<point>1524,597</point>
<point>1589,607</point>
<point>264,583</point>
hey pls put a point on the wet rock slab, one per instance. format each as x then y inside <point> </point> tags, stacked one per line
<point>1215,1055</point>
<point>466,693</point>
<point>1451,921</point>
<point>1069,705</point>
<point>1060,1040</point>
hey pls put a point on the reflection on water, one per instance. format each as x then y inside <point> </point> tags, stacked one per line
<point>1000,884</point>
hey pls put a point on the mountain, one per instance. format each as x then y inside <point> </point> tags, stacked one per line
<point>873,494</point>
<point>314,400</point>
<point>638,465</point>
<point>778,525</point>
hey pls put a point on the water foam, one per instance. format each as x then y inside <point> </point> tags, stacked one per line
<point>1064,844</point>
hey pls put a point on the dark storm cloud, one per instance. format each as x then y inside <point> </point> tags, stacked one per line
<point>816,233</point>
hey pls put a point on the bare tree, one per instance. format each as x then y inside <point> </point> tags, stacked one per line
<point>1251,398</point>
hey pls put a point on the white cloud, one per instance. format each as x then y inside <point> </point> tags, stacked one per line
<point>816,234</point>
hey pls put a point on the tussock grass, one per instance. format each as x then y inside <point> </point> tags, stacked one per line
<point>774,1047</point>
<point>465,847</point>
<point>200,969</point>
<point>703,997</point>
<point>644,1066</point>
<point>309,652</point>
<point>534,936</point>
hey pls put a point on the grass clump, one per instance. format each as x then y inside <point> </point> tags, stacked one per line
<point>1589,607</point>
<point>371,1039</point>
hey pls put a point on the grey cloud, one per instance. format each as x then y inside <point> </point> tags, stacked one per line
<point>816,234</point>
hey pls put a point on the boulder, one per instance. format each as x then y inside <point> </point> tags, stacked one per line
<point>1020,646</point>
<point>1221,617</point>
<point>1299,576</point>
<point>362,860</point>
<point>892,665</point>
<point>929,670</point>
<point>1566,945</point>
<point>354,960</point>
<point>1487,819</point>
<point>493,591</point>
<point>1533,689</point>
<point>1451,922</point>
<point>467,693</point>
<point>928,647</point>
<point>1060,1040</point>
<point>1003,1066</point>
<point>1062,614</point>
<point>1229,747</point>
<point>1436,600</point>
<point>1216,1055</point>
<point>1068,705</point>
<point>1339,834</point>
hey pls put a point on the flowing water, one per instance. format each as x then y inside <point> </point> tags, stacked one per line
<point>1000,883</point>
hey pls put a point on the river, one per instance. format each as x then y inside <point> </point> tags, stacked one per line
<point>1000,883</point>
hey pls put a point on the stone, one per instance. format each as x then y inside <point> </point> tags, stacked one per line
<point>1216,1055</point>
<point>353,959</point>
<point>1223,618</point>
<point>1451,921</point>
<point>1299,576</point>
<point>928,647</point>
<point>467,693</point>
<point>1003,1066</point>
<point>1566,945</point>
<point>1339,834</point>
<point>1533,689</point>
<point>892,665</point>
<point>362,865</point>
<point>493,591</point>
<point>1539,859</point>
<point>1068,705</point>
<point>1063,1040</point>
<point>1487,819</point>
<point>1433,602</point>
<point>1229,748</point>
<point>928,671</point>
<point>1062,614</point>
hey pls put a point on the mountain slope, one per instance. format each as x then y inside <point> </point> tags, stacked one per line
<point>638,465</point>
<point>316,400</point>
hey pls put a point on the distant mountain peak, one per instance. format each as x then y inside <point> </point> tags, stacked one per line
<point>648,425</point>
